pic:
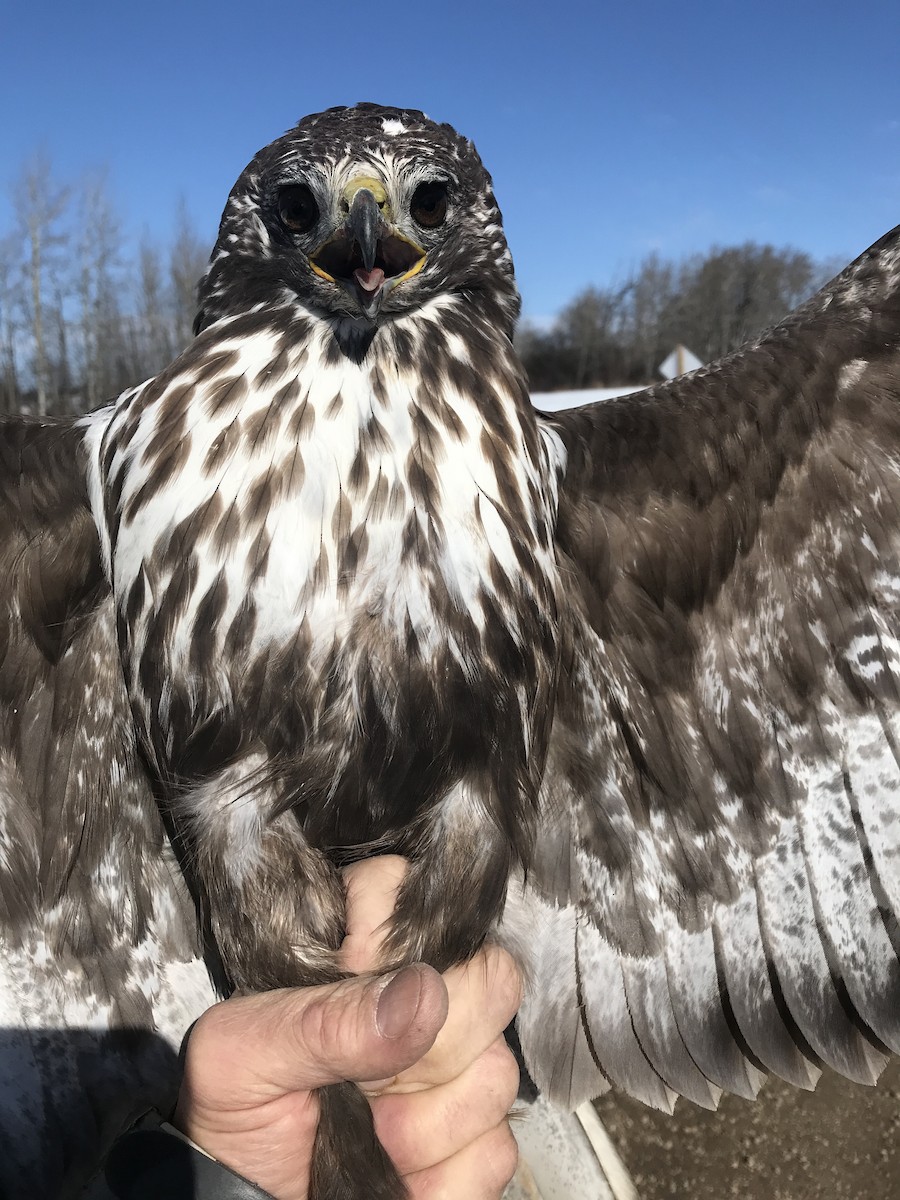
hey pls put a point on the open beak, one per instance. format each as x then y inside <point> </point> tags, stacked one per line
<point>367,256</point>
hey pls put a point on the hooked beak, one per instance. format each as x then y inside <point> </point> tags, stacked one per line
<point>367,256</point>
<point>364,224</point>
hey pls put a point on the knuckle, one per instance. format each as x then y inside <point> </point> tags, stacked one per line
<point>509,1076</point>
<point>500,1074</point>
<point>502,1156</point>
<point>505,980</point>
<point>400,1135</point>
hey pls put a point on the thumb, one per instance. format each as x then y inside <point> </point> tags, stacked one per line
<point>298,1039</point>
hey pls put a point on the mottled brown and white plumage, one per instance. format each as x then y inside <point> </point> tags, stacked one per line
<point>622,682</point>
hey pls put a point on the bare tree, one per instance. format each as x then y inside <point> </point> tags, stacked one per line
<point>155,340</point>
<point>98,260</point>
<point>10,291</point>
<point>58,338</point>
<point>39,203</point>
<point>588,325</point>
<point>646,298</point>
<point>711,303</point>
<point>732,294</point>
<point>187,263</point>
<point>548,361</point>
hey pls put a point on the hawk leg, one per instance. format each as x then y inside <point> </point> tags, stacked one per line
<point>277,910</point>
<point>455,887</point>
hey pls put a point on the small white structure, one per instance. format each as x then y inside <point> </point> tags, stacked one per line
<point>679,362</point>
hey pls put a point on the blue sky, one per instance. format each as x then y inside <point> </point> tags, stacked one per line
<point>611,129</point>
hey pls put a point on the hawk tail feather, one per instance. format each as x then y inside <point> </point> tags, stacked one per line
<point>349,1162</point>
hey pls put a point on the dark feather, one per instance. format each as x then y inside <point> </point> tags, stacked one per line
<point>93,913</point>
<point>731,541</point>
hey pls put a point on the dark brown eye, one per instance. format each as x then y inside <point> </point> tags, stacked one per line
<point>429,205</point>
<point>297,208</point>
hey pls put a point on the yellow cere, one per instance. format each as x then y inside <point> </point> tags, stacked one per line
<point>370,183</point>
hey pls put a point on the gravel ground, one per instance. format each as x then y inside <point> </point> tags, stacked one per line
<point>838,1143</point>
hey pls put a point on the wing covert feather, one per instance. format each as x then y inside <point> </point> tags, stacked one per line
<point>724,756</point>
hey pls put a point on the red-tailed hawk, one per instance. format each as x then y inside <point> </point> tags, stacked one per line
<point>621,683</point>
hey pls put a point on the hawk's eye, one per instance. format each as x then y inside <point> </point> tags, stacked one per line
<point>297,208</point>
<point>429,204</point>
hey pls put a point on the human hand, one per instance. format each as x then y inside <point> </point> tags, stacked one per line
<point>440,1078</point>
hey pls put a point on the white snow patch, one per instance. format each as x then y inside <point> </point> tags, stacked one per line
<point>554,401</point>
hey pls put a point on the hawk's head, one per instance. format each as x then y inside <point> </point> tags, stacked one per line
<point>362,213</point>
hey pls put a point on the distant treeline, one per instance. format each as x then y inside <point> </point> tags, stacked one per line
<point>711,303</point>
<point>83,315</point>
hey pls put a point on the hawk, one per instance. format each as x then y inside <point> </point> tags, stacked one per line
<point>621,683</point>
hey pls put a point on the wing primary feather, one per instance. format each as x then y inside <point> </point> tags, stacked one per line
<point>886,908</point>
<point>794,948</point>
<point>551,1028</point>
<point>755,996</point>
<point>694,985</point>
<point>650,1005</point>
<point>854,939</point>
<point>608,1025</point>
<point>876,813</point>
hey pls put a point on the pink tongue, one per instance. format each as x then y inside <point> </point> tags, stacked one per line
<point>369,281</point>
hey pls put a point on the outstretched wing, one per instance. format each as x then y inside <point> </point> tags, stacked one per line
<point>717,880</point>
<point>99,966</point>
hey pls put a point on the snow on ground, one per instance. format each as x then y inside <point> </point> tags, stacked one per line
<point>554,401</point>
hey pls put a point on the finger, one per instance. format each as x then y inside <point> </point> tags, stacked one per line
<point>372,888</point>
<point>484,996</point>
<point>421,1129</point>
<point>297,1039</point>
<point>480,1171</point>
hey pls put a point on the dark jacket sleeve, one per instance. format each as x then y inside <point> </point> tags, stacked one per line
<point>152,1162</point>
